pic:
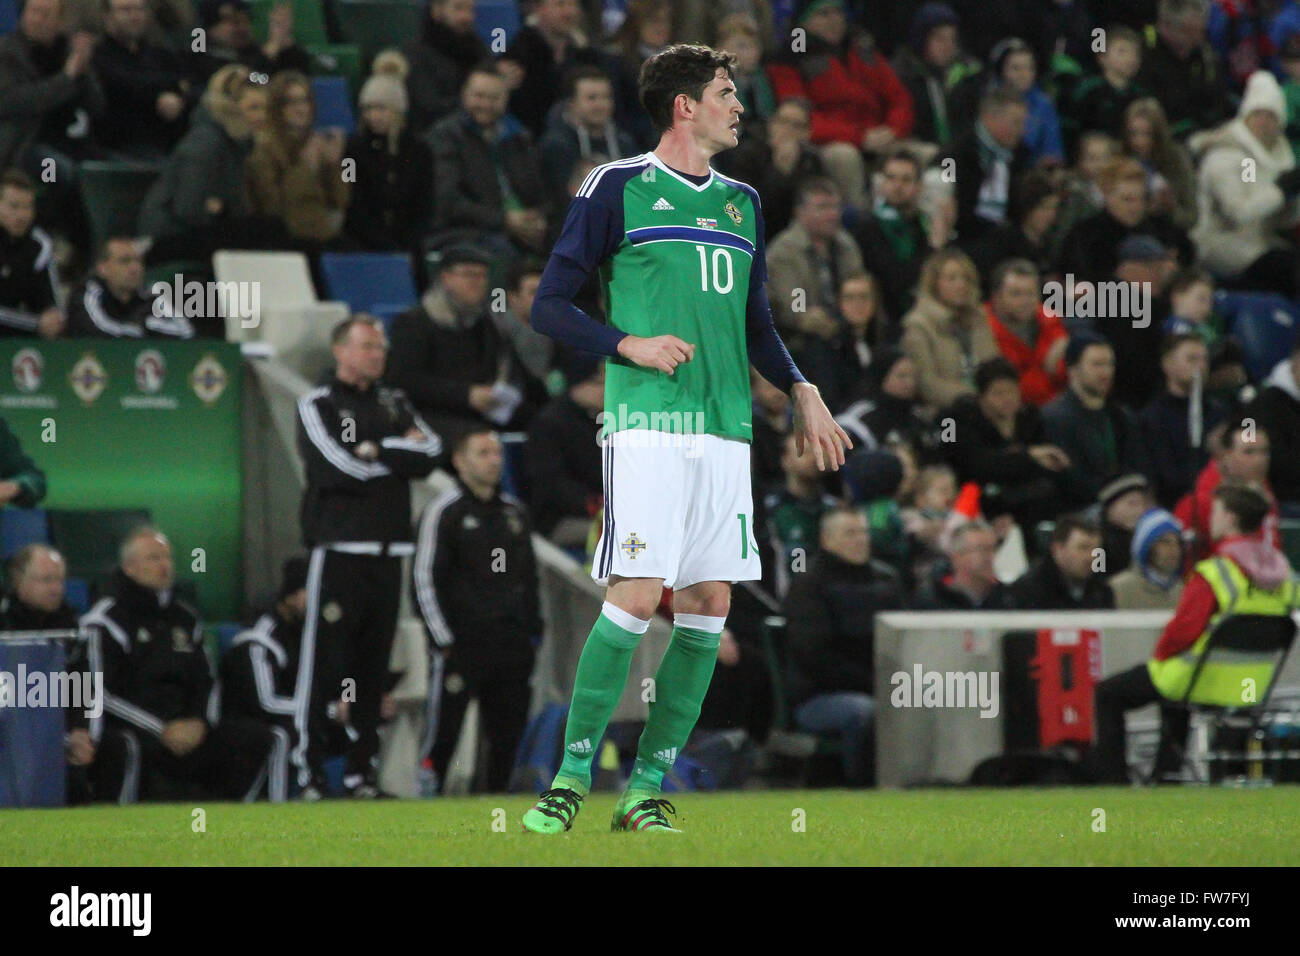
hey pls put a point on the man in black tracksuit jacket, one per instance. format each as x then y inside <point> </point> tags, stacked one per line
<point>361,443</point>
<point>475,581</point>
<point>112,302</point>
<point>154,739</point>
<point>259,673</point>
<point>28,277</point>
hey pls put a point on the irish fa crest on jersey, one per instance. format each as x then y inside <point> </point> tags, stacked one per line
<point>733,212</point>
<point>633,545</point>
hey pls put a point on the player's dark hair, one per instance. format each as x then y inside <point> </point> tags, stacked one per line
<point>994,370</point>
<point>682,68</point>
<point>341,330</point>
<point>1246,503</point>
<point>1066,525</point>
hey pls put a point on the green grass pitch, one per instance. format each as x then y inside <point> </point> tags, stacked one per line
<point>1168,826</point>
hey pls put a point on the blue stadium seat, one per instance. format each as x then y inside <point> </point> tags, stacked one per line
<point>490,14</point>
<point>77,593</point>
<point>333,103</point>
<point>376,282</point>
<point>1264,323</point>
<point>226,634</point>
<point>22,526</point>
<point>8,16</point>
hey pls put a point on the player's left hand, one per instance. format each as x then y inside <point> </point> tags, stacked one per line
<point>813,425</point>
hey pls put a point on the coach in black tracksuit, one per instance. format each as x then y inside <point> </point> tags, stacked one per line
<point>112,302</point>
<point>259,673</point>
<point>475,581</point>
<point>28,278</point>
<point>361,443</point>
<point>153,739</point>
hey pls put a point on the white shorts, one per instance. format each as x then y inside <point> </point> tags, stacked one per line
<point>678,508</point>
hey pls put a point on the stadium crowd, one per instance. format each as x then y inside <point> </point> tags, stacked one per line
<point>1013,243</point>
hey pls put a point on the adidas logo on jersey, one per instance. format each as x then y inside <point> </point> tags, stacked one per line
<point>662,205</point>
<point>667,756</point>
<point>581,748</point>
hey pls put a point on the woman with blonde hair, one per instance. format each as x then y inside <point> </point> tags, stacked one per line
<point>392,198</point>
<point>295,172</point>
<point>945,333</point>
<point>1171,181</point>
<point>200,202</point>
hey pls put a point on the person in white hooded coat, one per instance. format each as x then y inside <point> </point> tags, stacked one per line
<point>1247,186</point>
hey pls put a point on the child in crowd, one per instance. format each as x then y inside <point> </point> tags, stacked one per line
<point>1191,300</point>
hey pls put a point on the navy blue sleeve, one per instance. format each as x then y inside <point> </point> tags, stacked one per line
<point>592,231</point>
<point>767,352</point>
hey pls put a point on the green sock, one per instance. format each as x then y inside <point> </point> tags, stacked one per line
<point>602,674</point>
<point>680,686</point>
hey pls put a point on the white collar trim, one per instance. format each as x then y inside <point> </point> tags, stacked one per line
<point>673,173</point>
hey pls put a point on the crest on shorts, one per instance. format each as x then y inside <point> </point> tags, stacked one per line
<point>733,212</point>
<point>633,545</point>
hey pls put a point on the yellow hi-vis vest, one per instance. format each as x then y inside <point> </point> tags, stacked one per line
<point>1226,677</point>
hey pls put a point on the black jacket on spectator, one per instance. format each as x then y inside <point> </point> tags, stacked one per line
<point>150,649</point>
<point>28,280</point>
<point>38,101</point>
<point>543,76</point>
<point>438,353</point>
<point>1044,588</point>
<point>259,672</point>
<point>895,262</point>
<point>562,461</point>
<point>1194,92</point>
<point>881,419</point>
<point>1277,409</point>
<point>1102,444</point>
<point>468,193</point>
<point>965,153</point>
<point>391,204</point>
<point>751,162</point>
<point>132,82</point>
<point>207,163</point>
<point>95,313</point>
<point>1007,241</point>
<point>440,59</point>
<point>939,594</point>
<point>563,144</point>
<point>1090,251</point>
<point>348,498</point>
<point>830,610</point>
<point>1175,461</point>
<point>1012,482</point>
<point>475,578</point>
<point>1138,376</point>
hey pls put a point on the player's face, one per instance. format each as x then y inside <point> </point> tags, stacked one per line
<point>717,115</point>
<point>481,460</point>
<point>17,210</point>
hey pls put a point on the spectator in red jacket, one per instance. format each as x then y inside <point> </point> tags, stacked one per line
<point>1238,518</point>
<point>1244,459</point>
<point>1029,337</point>
<point>859,103</point>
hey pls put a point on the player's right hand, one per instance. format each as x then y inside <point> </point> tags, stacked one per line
<point>662,352</point>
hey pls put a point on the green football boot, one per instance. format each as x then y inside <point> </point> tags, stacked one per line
<point>645,815</point>
<point>553,812</point>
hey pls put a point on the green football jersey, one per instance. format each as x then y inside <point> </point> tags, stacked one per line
<point>676,258</point>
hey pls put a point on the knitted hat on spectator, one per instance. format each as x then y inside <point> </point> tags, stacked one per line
<point>387,83</point>
<point>293,576</point>
<point>1122,485</point>
<point>929,18</point>
<point>869,475</point>
<point>1263,93</point>
<point>1150,528</point>
<point>210,10</point>
<point>463,252</point>
<point>1079,342</point>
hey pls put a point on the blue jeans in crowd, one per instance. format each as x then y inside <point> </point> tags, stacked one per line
<point>848,713</point>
